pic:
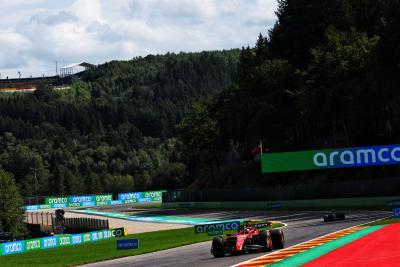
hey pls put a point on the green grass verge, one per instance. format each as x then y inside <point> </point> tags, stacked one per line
<point>385,221</point>
<point>106,249</point>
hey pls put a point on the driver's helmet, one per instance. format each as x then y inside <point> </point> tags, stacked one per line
<point>248,230</point>
<point>244,230</point>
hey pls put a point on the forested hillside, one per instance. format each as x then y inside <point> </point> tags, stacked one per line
<point>327,75</point>
<point>112,132</point>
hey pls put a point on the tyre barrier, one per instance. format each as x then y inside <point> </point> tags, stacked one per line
<point>59,241</point>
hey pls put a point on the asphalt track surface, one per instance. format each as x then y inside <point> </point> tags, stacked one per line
<point>301,226</point>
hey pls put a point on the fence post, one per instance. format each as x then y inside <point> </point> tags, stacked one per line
<point>52,222</point>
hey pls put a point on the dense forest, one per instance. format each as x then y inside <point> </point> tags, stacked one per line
<point>114,131</point>
<point>327,75</point>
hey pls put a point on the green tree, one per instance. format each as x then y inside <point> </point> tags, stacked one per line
<point>11,211</point>
<point>170,175</point>
<point>118,183</point>
<point>199,133</point>
<point>302,25</point>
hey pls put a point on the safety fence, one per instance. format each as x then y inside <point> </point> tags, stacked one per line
<point>62,202</point>
<point>75,225</point>
<point>71,225</point>
<point>41,218</point>
<point>347,189</point>
<point>59,241</point>
<point>376,203</point>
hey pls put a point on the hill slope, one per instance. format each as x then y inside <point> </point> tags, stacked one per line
<point>112,132</point>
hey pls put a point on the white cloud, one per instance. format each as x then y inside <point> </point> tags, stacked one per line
<point>103,30</point>
<point>13,49</point>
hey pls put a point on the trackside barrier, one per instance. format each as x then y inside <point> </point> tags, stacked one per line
<point>98,200</point>
<point>370,188</point>
<point>59,241</point>
<point>225,226</point>
<point>140,197</point>
<point>343,203</point>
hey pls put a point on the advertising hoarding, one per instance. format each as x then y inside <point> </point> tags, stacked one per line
<point>58,241</point>
<point>140,197</point>
<point>330,158</point>
<point>77,201</point>
<point>213,227</point>
<point>128,244</point>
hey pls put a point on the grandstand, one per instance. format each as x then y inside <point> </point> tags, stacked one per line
<point>68,74</point>
<point>74,69</point>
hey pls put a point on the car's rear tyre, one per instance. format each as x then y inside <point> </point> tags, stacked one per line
<point>265,240</point>
<point>278,238</point>
<point>218,246</point>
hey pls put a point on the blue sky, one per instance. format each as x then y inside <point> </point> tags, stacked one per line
<point>36,33</point>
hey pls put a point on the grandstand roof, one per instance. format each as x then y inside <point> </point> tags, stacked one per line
<point>83,64</point>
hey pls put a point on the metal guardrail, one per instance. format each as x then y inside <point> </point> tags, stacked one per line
<point>348,189</point>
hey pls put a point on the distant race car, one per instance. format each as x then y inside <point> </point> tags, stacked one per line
<point>334,216</point>
<point>249,238</point>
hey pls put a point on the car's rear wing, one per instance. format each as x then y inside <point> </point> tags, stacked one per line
<point>258,224</point>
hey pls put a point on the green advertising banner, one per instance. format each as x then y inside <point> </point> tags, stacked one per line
<point>103,199</point>
<point>148,196</point>
<point>331,158</point>
<point>152,196</point>
<point>33,244</point>
<point>287,161</point>
<point>77,201</point>
<point>57,200</point>
<point>64,240</point>
<point>86,238</point>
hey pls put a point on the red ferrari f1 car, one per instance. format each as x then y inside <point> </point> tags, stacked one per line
<point>249,238</point>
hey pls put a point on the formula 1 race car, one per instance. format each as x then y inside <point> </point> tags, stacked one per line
<point>334,216</point>
<point>249,238</point>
